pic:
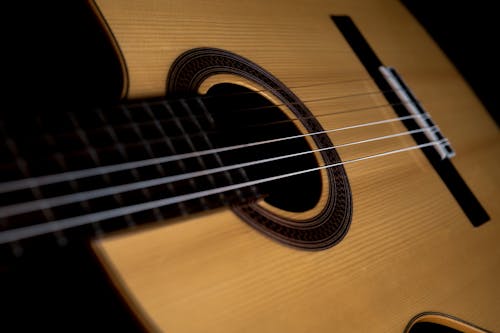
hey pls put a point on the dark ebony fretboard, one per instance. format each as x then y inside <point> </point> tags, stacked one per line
<point>89,172</point>
<point>38,144</point>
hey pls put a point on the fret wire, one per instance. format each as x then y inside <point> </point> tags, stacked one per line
<point>96,227</point>
<point>158,214</point>
<point>166,139</point>
<point>205,111</point>
<point>117,197</point>
<point>193,149</point>
<point>228,177</point>
<point>37,194</point>
<point>75,187</point>
<point>241,171</point>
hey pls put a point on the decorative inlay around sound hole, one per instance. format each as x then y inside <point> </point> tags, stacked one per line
<point>241,121</point>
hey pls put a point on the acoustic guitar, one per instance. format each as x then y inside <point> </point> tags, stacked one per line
<point>270,166</point>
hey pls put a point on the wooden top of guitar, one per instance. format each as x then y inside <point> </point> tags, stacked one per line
<point>410,248</point>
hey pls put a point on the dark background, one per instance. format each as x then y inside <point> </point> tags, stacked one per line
<point>468,32</point>
<point>55,55</point>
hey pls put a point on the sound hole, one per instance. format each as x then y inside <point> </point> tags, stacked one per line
<point>245,116</point>
<point>425,327</point>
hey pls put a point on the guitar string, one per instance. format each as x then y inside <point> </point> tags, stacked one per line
<point>11,185</point>
<point>20,233</point>
<point>253,109</point>
<point>25,183</point>
<point>307,85</point>
<point>45,180</point>
<point>164,102</point>
<point>303,85</point>
<point>205,132</point>
<point>331,114</point>
<point>46,203</point>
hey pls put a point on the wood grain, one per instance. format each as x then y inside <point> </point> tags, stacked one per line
<point>410,248</point>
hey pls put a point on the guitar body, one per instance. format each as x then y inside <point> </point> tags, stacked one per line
<point>409,250</point>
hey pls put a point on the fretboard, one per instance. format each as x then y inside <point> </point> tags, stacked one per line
<point>68,173</point>
<point>44,154</point>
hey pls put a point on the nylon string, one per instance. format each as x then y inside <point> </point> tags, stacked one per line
<point>17,234</point>
<point>26,207</point>
<point>84,173</point>
<point>58,225</point>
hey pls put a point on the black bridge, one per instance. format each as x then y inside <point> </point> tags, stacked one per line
<point>465,198</point>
